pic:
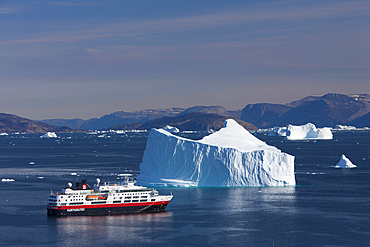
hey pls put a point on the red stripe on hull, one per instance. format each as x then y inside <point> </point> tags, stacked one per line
<point>131,204</point>
<point>107,209</point>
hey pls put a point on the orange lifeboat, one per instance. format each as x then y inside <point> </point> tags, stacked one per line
<point>91,197</point>
<point>96,197</point>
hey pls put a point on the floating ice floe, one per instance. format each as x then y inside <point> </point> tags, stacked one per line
<point>308,131</point>
<point>344,127</point>
<point>73,174</point>
<point>49,135</point>
<point>344,162</point>
<point>124,174</point>
<point>7,180</point>
<point>171,129</point>
<point>92,133</point>
<point>3,134</point>
<point>277,131</point>
<point>229,157</point>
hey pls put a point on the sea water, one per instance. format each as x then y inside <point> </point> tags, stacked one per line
<point>328,207</point>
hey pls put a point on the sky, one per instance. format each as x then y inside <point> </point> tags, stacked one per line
<point>88,58</point>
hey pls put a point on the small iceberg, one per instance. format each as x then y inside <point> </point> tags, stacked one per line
<point>124,174</point>
<point>308,131</point>
<point>344,163</point>
<point>7,180</point>
<point>277,131</point>
<point>344,127</point>
<point>171,129</point>
<point>49,135</point>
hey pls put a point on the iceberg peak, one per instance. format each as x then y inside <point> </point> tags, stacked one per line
<point>236,136</point>
<point>344,162</point>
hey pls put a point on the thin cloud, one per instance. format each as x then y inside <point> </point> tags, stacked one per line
<point>5,10</point>
<point>260,14</point>
<point>74,3</point>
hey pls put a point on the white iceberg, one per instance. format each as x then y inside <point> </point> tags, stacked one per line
<point>344,127</point>
<point>277,131</point>
<point>344,162</point>
<point>229,157</point>
<point>49,135</point>
<point>7,180</point>
<point>171,129</point>
<point>308,131</point>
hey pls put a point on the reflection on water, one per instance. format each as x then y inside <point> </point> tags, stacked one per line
<point>195,216</point>
<point>84,230</point>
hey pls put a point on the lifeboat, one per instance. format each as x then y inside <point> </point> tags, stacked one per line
<point>96,197</point>
<point>91,197</point>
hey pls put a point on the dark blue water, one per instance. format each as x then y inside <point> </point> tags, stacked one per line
<point>328,207</point>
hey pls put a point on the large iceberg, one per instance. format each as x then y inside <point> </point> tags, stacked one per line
<point>344,162</point>
<point>307,131</point>
<point>229,157</point>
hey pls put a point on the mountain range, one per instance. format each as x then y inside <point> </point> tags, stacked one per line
<point>142,116</point>
<point>324,111</point>
<point>186,122</point>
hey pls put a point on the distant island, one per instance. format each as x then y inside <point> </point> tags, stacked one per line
<point>10,123</point>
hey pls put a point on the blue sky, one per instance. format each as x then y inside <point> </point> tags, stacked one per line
<point>68,59</point>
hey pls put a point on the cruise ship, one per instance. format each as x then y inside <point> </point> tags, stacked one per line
<point>105,199</point>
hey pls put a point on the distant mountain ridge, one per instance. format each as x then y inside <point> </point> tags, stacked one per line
<point>10,123</point>
<point>142,116</point>
<point>324,111</point>
<point>198,121</point>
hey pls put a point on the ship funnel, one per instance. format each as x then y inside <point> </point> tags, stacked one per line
<point>97,181</point>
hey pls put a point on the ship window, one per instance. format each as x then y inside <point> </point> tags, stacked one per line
<point>127,201</point>
<point>143,200</point>
<point>100,202</point>
<point>135,200</point>
<point>153,200</point>
<point>76,203</point>
<point>128,197</point>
